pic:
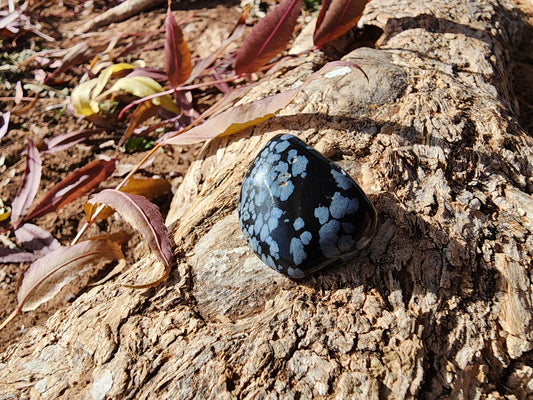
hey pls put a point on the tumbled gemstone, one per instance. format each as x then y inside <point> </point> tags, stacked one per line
<point>300,211</point>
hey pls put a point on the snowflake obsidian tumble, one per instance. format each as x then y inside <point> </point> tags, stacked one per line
<point>299,211</point>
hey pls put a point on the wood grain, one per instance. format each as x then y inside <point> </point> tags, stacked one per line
<point>438,306</point>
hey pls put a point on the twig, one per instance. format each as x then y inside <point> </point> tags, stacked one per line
<point>121,12</point>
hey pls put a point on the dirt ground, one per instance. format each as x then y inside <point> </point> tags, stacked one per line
<point>210,24</point>
<point>204,31</point>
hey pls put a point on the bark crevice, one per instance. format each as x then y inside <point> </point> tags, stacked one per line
<point>439,305</point>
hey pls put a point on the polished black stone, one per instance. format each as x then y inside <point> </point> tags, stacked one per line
<point>300,211</point>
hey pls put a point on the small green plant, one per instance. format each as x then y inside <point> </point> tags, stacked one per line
<point>312,5</point>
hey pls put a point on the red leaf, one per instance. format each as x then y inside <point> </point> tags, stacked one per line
<point>15,255</point>
<point>73,186</point>
<point>145,218</point>
<point>235,119</point>
<point>44,278</point>
<point>30,183</point>
<point>337,17</point>
<point>65,140</point>
<point>177,55</point>
<point>147,187</point>
<point>268,37</point>
<point>36,239</point>
<point>225,102</point>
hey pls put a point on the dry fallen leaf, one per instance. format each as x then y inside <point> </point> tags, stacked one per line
<point>30,183</point>
<point>146,219</point>
<point>268,37</point>
<point>45,277</point>
<point>147,187</point>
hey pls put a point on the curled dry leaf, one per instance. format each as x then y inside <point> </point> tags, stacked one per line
<point>107,73</point>
<point>144,217</point>
<point>73,186</point>
<point>268,37</point>
<point>337,17</point>
<point>177,55</point>
<point>36,239</point>
<point>49,274</point>
<point>87,96</point>
<point>30,183</point>
<point>83,97</point>
<point>45,277</point>
<point>120,238</point>
<point>149,188</point>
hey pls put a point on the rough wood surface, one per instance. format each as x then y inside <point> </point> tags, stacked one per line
<point>440,305</point>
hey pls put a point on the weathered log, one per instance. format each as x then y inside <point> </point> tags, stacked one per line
<point>440,304</point>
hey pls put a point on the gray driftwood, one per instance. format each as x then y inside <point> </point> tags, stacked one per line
<point>438,306</point>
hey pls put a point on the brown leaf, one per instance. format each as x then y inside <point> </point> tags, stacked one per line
<point>120,237</point>
<point>49,274</point>
<point>143,111</point>
<point>268,37</point>
<point>146,219</point>
<point>337,17</point>
<point>73,186</point>
<point>177,56</point>
<point>149,188</point>
<point>30,183</point>
<point>237,118</point>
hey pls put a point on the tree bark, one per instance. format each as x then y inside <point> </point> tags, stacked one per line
<point>439,305</point>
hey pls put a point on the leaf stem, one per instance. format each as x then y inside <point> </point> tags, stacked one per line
<point>176,89</point>
<point>10,318</point>
<point>100,207</point>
